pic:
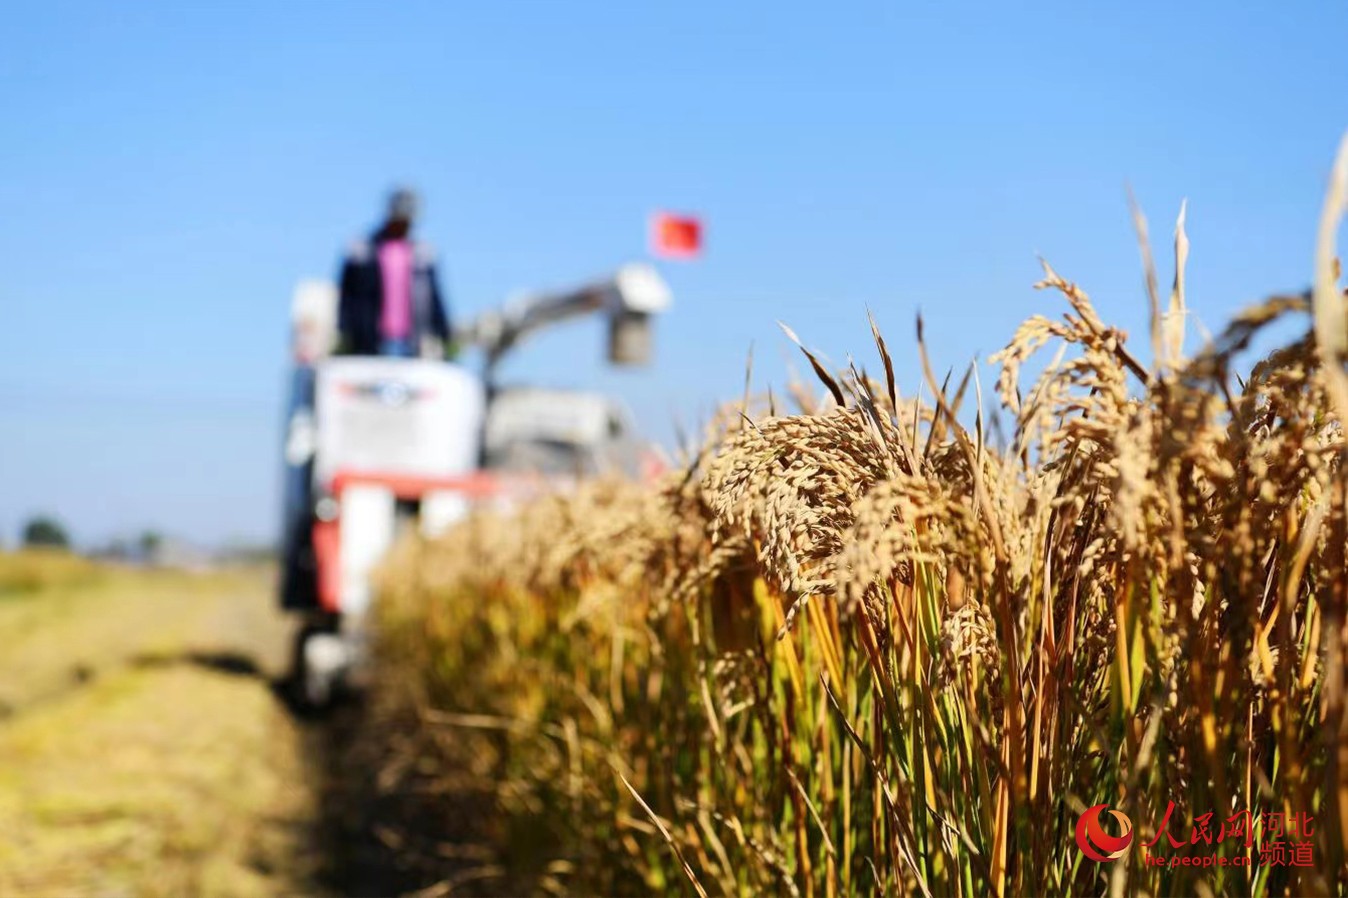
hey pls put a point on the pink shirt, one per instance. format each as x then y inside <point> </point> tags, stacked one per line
<point>395,264</point>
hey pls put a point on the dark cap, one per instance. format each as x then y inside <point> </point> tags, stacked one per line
<point>403,205</point>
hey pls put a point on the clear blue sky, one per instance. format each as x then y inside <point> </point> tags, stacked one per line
<point>170,170</point>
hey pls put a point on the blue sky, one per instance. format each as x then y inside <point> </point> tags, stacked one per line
<point>170,170</point>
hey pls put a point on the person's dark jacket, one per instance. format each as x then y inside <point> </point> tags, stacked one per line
<point>362,299</point>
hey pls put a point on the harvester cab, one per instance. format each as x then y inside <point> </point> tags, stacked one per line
<point>374,445</point>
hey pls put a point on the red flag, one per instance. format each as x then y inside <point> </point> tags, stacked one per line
<point>676,236</point>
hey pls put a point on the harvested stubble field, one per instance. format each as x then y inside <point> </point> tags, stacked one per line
<point>859,649</point>
<point>141,749</point>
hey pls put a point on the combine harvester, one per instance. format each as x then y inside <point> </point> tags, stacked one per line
<point>375,444</point>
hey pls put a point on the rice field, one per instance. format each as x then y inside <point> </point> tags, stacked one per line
<point>141,749</point>
<point>855,646</point>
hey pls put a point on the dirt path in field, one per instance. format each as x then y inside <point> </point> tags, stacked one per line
<point>143,749</point>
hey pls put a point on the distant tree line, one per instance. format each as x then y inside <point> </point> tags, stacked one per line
<point>149,547</point>
<point>44,532</point>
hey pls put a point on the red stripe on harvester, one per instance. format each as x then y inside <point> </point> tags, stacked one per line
<point>478,485</point>
<point>328,555</point>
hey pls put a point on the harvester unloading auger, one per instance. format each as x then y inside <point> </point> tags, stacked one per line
<point>373,443</point>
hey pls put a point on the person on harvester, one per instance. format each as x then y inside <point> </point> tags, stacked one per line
<point>390,301</point>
